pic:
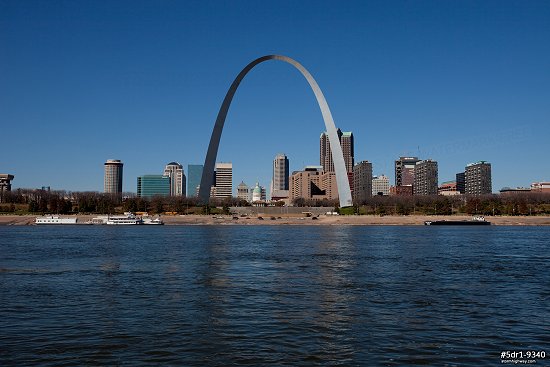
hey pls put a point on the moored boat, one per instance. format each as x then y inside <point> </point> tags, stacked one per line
<point>477,220</point>
<point>126,219</point>
<point>153,221</point>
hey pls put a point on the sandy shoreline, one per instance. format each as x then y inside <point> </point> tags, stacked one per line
<point>300,220</point>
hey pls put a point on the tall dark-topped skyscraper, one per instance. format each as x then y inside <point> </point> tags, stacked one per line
<point>346,141</point>
<point>280,180</point>
<point>280,172</point>
<point>325,153</point>
<point>112,181</point>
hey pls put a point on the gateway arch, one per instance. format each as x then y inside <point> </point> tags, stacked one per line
<point>344,192</point>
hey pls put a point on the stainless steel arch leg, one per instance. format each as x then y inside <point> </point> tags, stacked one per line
<point>344,192</point>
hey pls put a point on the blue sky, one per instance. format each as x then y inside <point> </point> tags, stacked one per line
<point>142,81</point>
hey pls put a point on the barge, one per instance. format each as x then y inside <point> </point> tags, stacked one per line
<point>475,221</point>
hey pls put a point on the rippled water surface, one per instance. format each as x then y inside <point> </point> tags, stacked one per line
<point>272,295</point>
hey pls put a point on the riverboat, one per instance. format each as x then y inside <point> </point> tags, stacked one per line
<point>54,219</point>
<point>477,220</point>
<point>126,219</point>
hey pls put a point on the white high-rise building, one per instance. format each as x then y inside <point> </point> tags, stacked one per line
<point>224,180</point>
<point>112,181</point>
<point>380,185</point>
<point>174,171</point>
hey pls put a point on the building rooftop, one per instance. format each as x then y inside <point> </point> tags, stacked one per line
<point>313,168</point>
<point>113,161</point>
<point>425,160</point>
<point>152,176</point>
<point>476,163</point>
<point>224,165</point>
<point>516,189</point>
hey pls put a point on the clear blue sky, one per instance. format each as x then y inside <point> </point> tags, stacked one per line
<point>142,81</point>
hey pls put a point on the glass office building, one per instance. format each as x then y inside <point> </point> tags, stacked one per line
<point>194,175</point>
<point>153,185</point>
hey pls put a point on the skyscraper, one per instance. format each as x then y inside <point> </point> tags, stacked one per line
<point>425,178</point>
<point>404,170</point>
<point>325,158</point>
<point>325,153</point>
<point>224,180</point>
<point>194,172</point>
<point>153,185</point>
<point>174,171</point>
<point>346,141</point>
<point>477,177</point>
<point>112,181</point>
<point>362,181</point>
<point>280,173</point>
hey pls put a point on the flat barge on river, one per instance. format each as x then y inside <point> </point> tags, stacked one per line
<point>475,221</point>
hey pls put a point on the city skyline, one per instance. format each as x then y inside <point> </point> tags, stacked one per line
<point>476,89</point>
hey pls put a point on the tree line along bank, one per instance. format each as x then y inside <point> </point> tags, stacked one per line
<point>26,201</point>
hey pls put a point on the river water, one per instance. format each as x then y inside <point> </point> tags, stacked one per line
<point>272,295</point>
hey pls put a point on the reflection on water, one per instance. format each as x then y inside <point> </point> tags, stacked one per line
<point>274,295</point>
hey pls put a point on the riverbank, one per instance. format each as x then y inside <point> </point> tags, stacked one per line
<point>302,220</point>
